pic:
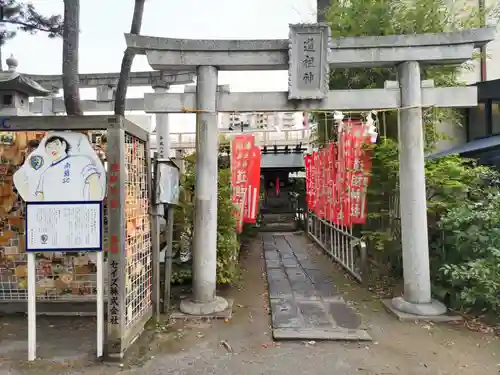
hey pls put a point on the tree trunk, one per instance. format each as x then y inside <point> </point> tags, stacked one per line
<point>128,58</point>
<point>70,79</point>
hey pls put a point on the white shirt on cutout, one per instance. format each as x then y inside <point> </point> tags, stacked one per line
<point>66,180</point>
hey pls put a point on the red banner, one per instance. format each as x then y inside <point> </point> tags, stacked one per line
<point>253,192</point>
<point>322,183</point>
<point>360,176</point>
<point>340,179</point>
<point>315,179</point>
<point>337,177</point>
<point>331,170</point>
<point>241,149</point>
<point>308,167</point>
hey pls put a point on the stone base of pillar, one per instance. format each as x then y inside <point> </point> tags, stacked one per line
<point>404,310</point>
<point>208,309</point>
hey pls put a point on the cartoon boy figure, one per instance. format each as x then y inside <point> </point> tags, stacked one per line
<point>68,177</point>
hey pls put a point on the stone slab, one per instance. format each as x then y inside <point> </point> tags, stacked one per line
<point>343,315</point>
<point>314,314</point>
<point>285,313</point>
<point>290,262</point>
<point>405,317</point>
<point>332,334</point>
<point>308,265</point>
<point>301,256</point>
<point>273,259</point>
<point>305,304</point>
<point>302,286</point>
<point>226,314</point>
<point>323,285</point>
<point>283,246</point>
<point>269,245</point>
<point>279,286</point>
<point>267,238</point>
<point>272,263</point>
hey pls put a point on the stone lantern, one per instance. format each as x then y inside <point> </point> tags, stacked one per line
<point>16,89</point>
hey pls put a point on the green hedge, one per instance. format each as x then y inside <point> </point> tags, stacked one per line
<point>228,244</point>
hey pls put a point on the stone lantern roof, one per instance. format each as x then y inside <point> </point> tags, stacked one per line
<point>14,81</point>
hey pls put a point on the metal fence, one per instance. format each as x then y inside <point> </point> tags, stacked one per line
<point>130,304</point>
<point>339,243</point>
<point>138,232</point>
<point>70,278</point>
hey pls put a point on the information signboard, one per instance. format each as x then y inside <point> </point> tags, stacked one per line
<point>64,226</point>
<point>63,183</point>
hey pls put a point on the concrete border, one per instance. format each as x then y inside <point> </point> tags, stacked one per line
<point>337,334</point>
<point>225,314</point>
<point>405,317</point>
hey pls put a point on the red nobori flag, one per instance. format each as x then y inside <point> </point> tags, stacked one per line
<point>332,155</point>
<point>315,181</point>
<point>342,179</point>
<point>324,183</point>
<point>241,148</point>
<point>308,164</point>
<point>319,183</point>
<point>253,192</point>
<point>360,175</point>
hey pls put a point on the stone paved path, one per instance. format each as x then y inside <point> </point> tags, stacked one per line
<point>304,302</point>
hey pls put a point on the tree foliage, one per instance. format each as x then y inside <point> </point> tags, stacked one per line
<point>228,243</point>
<point>389,17</point>
<point>351,18</point>
<point>24,16</point>
<point>463,201</point>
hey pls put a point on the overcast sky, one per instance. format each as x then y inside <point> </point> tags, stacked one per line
<point>103,23</point>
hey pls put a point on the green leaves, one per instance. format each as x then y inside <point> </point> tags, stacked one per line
<point>463,223</point>
<point>228,244</point>
<point>25,17</point>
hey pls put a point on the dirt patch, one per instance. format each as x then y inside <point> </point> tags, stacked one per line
<point>398,347</point>
<point>449,348</point>
<point>244,345</point>
<point>62,342</point>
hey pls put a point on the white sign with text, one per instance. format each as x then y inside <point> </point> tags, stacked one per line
<point>64,226</point>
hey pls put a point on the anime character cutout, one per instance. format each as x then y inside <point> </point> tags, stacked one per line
<point>55,173</point>
<point>74,177</point>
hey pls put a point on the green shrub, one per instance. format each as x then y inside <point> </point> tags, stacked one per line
<point>463,205</point>
<point>470,276</point>
<point>457,188</point>
<point>228,245</point>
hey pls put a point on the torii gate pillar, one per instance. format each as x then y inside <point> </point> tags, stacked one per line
<point>204,301</point>
<point>308,88</point>
<point>413,200</point>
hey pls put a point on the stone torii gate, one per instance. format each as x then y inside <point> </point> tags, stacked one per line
<point>308,55</point>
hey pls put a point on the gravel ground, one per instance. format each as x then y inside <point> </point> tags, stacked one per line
<point>244,345</point>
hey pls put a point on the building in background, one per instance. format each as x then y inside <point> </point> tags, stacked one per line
<point>260,120</point>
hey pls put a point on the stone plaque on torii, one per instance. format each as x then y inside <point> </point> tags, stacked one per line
<point>308,55</point>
